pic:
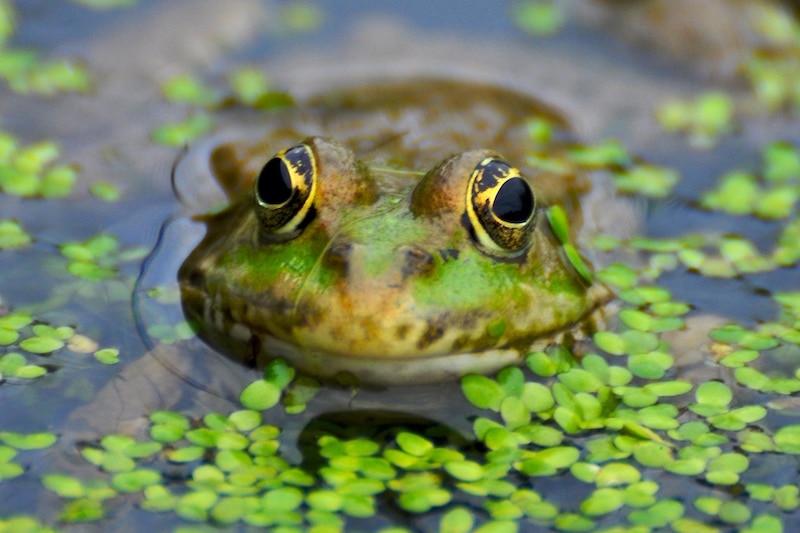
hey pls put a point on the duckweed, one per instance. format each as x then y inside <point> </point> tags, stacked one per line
<point>772,68</point>
<point>301,17</point>
<point>12,235</point>
<point>31,170</point>
<point>182,133</point>
<point>247,86</point>
<point>40,342</point>
<point>189,90</point>
<point>704,119</point>
<point>95,258</point>
<point>265,393</point>
<point>538,18</point>
<point>105,191</point>
<point>646,180</point>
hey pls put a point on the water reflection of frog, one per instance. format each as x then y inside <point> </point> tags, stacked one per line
<point>429,256</point>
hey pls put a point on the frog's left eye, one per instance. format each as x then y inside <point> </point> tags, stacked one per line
<point>284,190</point>
<point>501,207</point>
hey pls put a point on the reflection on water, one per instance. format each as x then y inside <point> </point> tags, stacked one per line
<point>605,450</point>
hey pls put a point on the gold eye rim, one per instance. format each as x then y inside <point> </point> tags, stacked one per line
<point>285,190</point>
<point>501,208</point>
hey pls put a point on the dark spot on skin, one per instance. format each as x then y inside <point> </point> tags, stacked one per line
<point>401,332</point>
<point>416,261</point>
<point>449,254</point>
<point>432,333</point>
<point>462,343</point>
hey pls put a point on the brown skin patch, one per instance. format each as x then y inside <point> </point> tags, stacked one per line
<point>401,331</point>
<point>432,333</point>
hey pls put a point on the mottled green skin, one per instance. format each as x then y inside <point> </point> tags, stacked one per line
<point>384,283</point>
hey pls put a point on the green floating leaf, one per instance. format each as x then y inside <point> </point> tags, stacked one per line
<point>31,441</point>
<point>603,501</point>
<point>786,497</point>
<point>615,474</point>
<point>647,180</point>
<point>733,512</point>
<point>464,470</point>
<point>189,90</point>
<point>704,119</point>
<point>105,191</point>
<point>660,514</point>
<point>619,275</point>
<point>514,412</point>
<point>82,510</point>
<point>714,393</point>
<point>301,17</point>
<point>158,498</point>
<point>609,153</point>
<point>58,182</point>
<point>708,504</point>
<point>456,520</point>
<point>787,439</point>
<point>182,133</point>
<point>12,235</point>
<point>135,480</point>
<point>483,392</point>
<point>668,388</point>
<point>765,524</point>
<point>186,454</point>
<point>573,523</point>
<point>64,486</point>
<point>260,395</point>
<point>10,470</point>
<point>15,321</point>
<point>107,356</point>
<point>538,18</point>
<point>414,444</point>
<point>540,364</point>
<point>610,342</point>
<point>423,500</point>
<point>279,373</point>
<point>41,345</point>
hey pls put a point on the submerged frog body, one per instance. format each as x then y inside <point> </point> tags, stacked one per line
<point>395,233</point>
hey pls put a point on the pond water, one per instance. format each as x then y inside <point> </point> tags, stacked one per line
<point>114,415</point>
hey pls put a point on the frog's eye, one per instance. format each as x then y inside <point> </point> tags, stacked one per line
<point>284,190</point>
<point>501,207</point>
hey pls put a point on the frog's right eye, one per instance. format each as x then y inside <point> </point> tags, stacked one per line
<point>284,190</point>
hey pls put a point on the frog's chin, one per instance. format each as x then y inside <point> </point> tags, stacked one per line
<point>258,349</point>
<point>391,371</point>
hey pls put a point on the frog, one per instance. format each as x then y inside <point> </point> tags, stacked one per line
<point>394,233</point>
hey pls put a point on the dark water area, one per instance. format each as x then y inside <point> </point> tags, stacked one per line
<point>606,86</point>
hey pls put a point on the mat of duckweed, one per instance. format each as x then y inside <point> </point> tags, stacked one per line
<point>637,430</point>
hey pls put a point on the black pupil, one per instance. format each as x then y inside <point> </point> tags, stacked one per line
<point>274,185</point>
<point>514,201</point>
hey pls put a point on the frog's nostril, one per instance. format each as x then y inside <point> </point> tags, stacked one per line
<point>338,257</point>
<point>415,261</point>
